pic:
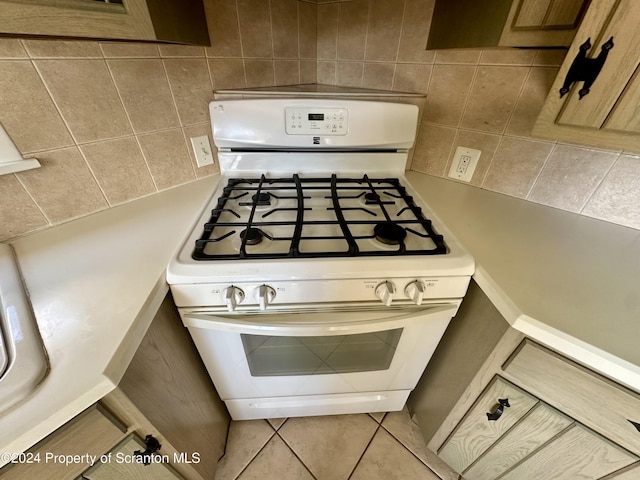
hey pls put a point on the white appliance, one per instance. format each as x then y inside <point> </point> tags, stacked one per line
<point>316,281</point>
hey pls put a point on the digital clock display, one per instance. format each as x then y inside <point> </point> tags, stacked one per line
<point>316,116</point>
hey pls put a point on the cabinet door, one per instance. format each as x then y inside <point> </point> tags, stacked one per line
<point>123,464</point>
<point>476,433</point>
<point>608,115</point>
<point>534,430</point>
<point>542,23</point>
<point>576,454</point>
<point>128,19</point>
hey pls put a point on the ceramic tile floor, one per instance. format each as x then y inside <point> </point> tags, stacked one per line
<point>341,447</point>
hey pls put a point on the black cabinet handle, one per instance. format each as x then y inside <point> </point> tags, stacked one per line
<point>637,425</point>
<point>497,413</point>
<point>153,445</point>
<point>585,69</point>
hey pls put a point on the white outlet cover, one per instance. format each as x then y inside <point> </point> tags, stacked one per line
<point>465,161</point>
<point>202,150</point>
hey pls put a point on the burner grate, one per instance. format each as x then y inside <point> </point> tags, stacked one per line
<point>380,194</point>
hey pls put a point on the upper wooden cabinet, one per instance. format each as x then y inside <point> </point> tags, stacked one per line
<point>504,23</point>
<point>153,20</point>
<point>609,114</point>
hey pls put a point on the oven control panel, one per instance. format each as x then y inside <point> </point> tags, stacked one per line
<point>316,121</point>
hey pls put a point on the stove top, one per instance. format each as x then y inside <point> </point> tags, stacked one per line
<point>309,217</point>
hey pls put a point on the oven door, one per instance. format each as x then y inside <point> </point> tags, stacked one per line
<point>337,351</point>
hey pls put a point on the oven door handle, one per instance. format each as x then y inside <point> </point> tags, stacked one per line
<point>350,323</point>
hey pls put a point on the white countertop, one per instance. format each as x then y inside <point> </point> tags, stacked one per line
<point>569,281</point>
<point>95,284</point>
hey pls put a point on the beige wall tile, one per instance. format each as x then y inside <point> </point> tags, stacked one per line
<point>227,73</point>
<point>145,93</point>
<point>284,17</point>
<point>18,211</point>
<point>349,74</point>
<point>327,73</point>
<point>327,41</point>
<point>412,77</point>
<point>516,164</point>
<point>129,49</point>
<point>171,51</point>
<point>378,75</point>
<point>552,57</point>
<point>198,131</point>
<point>457,56</point>
<point>287,72</point>
<point>168,158</point>
<point>120,169</point>
<point>191,88</point>
<point>433,148</point>
<point>62,49</point>
<point>63,187</point>
<point>507,56</point>
<point>570,176</point>
<point>308,71</point>
<point>618,196</point>
<point>260,73</point>
<point>255,28</point>
<point>85,93</point>
<point>493,97</point>
<point>531,99</point>
<point>485,142</point>
<point>448,90</point>
<point>12,48</point>
<point>416,23</point>
<point>28,114</point>
<point>224,32</point>
<point>383,33</point>
<point>352,29</point>
<point>308,30</point>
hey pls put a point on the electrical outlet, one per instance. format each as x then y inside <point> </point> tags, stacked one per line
<point>464,163</point>
<point>202,150</point>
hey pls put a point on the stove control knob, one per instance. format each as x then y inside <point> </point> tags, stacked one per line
<point>385,292</point>
<point>415,291</point>
<point>232,297</point>
<point>265,295</point>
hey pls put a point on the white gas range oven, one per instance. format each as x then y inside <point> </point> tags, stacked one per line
<point>316,282</point>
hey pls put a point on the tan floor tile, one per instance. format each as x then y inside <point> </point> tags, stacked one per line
<point>387,459</point>
<point>276,461</point>
<point>245,440</point>
<point>276,423</point>
<point>407,432</point>
<point>329,446</point>
<point>378,416</point>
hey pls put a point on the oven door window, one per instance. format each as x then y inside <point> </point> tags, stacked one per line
<point>281,356</point>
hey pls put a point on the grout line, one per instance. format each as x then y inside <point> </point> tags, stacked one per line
<point>486,173</point>
<point>597,187</point>
<point>244,66</point>
<point>355,467</point>
<point>518,98</point>
<point>44,215</point>
<point>295,454</point>
<point>535,180</point>
<point>256,454</point>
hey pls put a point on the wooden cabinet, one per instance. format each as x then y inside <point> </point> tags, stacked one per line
<point>160,20</point>
<point>609,115</point>
<point>166,393</point>
<point>563,420</point>
<point>504,23</point>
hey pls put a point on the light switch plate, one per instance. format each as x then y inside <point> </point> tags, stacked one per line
<point>202,150</point>
<point>464,163</point>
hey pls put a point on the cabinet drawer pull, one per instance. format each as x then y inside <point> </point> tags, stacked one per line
<point>153,445</point>
<point>585,69</point>
<point>637,425</point>
<point>497,413</point>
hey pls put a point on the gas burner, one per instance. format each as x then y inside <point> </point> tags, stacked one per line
<point>389,233</point>
<point>261,199</point>
<point>371,198</point>
<point>253,236</point>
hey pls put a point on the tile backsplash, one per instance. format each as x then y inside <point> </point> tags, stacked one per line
<point>111,121</point>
